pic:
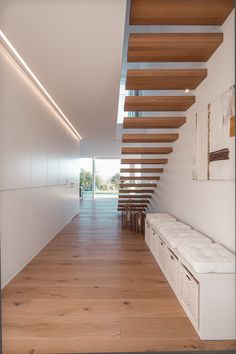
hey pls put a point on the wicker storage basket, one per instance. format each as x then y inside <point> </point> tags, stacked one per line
<point>189,289</point>
<point>173,270</point>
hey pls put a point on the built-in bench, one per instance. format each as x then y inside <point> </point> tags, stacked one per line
<point>206,291</point>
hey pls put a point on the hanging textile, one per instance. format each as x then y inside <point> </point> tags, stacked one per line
<point>221,149</point>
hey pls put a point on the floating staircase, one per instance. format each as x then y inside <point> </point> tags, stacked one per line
<point>161,47</point>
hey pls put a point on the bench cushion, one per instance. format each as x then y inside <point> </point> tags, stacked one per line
<point>188,240</point>
<point>212,258</point>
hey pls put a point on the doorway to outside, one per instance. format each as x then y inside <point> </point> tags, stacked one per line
<point>99,177</point>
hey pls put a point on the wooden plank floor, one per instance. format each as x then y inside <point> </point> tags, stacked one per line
<point>95,288</point>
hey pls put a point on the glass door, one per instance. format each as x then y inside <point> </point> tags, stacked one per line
<point>107,172</point>
<point>86,177</point>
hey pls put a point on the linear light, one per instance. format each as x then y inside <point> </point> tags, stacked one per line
<point>19,60</point>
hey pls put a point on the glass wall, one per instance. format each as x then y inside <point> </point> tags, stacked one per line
<point>99,177</point>
<point>86,177</point>
<point>107,172</point>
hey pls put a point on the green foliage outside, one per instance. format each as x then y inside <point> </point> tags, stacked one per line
<point>86,181</point>
<point>115,180</point>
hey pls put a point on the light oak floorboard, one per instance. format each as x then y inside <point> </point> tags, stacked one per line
<point>96,288</point>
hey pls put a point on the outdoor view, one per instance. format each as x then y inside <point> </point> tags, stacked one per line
<point>106,177</point>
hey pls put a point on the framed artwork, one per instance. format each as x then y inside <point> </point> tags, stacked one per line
<point>214,139</point>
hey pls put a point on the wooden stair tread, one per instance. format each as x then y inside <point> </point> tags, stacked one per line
<point>153,122</point>
<point>141,170</point>
<point>138,185</point>
<point>143,161</point>
<point>172,47</point>
<point>136,191</point>
<point>164,79</point>
<point>180,12</point>
<point>146,150</point>
<point>135,196</point>
<point>123,203</point>
<point>149,138</point>
<point>140,178</point>
<point>158,103</point>
<point>133,201</point>
<point>136,208</point>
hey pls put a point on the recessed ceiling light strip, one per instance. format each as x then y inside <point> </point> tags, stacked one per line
<point>16,56</point>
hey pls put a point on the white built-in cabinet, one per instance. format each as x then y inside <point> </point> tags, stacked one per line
<point>208,299</point>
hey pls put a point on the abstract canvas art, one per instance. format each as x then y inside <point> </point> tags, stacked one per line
<point>214,139</point>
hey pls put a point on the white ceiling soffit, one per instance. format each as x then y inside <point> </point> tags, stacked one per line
<point>75,48</point>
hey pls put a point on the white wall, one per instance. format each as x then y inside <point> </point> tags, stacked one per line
<point>38,163</point>
<point>100,148</point>
<point>75,48</point>
<point>206,205</point>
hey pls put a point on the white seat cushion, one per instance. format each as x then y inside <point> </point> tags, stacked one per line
<point>159,216</point>
<point>212,258</point>
<point>169,234</point>
<point>158,223</point>
<point>188,240</point>
<point>177,226</point>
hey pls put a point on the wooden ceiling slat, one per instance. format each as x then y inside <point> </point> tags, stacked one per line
<point>146,150</point>
<point>173,47</point>
<point>164,79</point>
<point>180,12</point>
<point>153,122</point>
<point>149,138</point>
<point>158,103</point>
<point>143,161</point>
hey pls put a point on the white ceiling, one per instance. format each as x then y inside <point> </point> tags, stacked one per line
<point>75,48</point>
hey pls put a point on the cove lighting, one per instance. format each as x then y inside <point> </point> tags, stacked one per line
<point>16,56</point>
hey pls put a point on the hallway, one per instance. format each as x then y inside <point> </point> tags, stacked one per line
<point>95,288</point>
